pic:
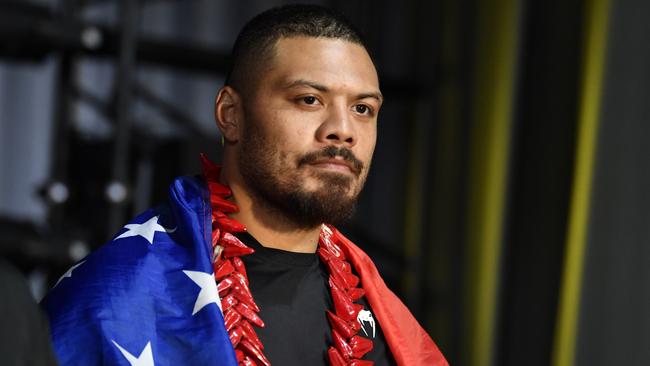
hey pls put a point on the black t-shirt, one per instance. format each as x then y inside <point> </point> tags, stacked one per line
<point>292,292</point>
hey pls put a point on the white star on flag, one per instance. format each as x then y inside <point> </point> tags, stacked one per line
<point>145,230</point>
<point>208,293</point>
<point>145,358</point>
<point>68,273</point>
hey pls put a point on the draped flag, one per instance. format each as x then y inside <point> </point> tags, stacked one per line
<point>148,297</point>
<point>408,341</point>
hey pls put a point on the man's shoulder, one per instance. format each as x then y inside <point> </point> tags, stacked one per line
<point>148,251</point>
<point>135,247</point>
<point>149,286</point>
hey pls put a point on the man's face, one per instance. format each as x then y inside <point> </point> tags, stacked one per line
<point>310,128</point>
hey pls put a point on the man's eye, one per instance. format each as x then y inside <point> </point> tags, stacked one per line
<point>309,100</point>
<point>361,108</point>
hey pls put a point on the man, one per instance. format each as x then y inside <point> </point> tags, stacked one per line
<point>298,114</point>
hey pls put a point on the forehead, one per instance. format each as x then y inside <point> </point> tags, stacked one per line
<point>332,62</point>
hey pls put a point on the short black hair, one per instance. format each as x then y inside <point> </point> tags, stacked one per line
<point>255,42</point>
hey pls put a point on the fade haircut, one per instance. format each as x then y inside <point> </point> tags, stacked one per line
<point>254,47</point>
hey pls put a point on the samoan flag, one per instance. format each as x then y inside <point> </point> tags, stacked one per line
<point>148,297</point>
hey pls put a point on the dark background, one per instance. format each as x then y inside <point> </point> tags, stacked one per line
<point>509,199</point>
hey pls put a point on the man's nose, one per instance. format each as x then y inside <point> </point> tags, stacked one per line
<point>338,127</point>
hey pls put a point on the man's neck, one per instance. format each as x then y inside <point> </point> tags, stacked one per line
<point>292,241</point>
<point>269,227</point>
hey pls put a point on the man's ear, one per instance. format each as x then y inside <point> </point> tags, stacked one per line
<point>228,113</point>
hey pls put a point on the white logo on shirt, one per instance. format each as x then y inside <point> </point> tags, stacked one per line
<point>365,316</point>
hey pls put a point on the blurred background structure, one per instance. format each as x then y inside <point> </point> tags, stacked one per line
<point>509,200</point>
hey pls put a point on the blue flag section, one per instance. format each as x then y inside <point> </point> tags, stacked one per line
<point>149,296</point>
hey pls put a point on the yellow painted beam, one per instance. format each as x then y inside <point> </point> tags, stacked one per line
<point>490,143</point>
<point>594,55</point>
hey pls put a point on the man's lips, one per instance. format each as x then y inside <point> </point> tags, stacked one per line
<point>335,164</point>
<point>333,159</point>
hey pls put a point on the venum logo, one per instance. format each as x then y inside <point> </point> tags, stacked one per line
<point>365,319</point>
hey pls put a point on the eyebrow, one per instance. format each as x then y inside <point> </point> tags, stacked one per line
<point>320,87</point>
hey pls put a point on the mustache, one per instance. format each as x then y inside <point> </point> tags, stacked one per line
<point>331,152</point>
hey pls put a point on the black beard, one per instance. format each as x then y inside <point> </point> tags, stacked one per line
<point>276,187</point>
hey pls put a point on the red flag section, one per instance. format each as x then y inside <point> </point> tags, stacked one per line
<point>408,342</point>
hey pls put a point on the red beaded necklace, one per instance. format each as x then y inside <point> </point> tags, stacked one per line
<point>238,306</point>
